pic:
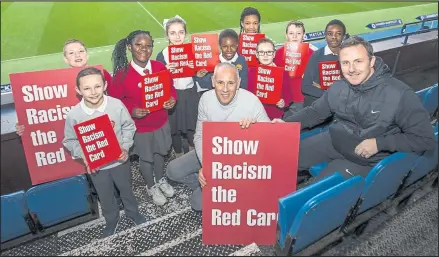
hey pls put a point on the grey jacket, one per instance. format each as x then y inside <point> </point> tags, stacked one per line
<point>383,108</point>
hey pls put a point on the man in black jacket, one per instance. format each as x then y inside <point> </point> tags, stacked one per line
<point>374,115</point>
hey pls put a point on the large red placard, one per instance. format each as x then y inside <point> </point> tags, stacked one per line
<point>247,171</point>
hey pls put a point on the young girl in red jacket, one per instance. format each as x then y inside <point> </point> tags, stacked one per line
<point>265,52</point>
<point>294,33</point>
<point>183,118</point>
<point>152,140</point>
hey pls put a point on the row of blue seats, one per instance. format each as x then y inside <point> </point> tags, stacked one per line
<point>315,211</point>
<point>44,206</point>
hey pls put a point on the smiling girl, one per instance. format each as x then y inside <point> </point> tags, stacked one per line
<point>152,140</point>
<point>183,118</point>
<point>250,21</point>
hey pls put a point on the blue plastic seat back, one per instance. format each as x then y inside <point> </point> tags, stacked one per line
<point>59,201</point>
<point>316,169</point>
<point>424,164</point>
<point>311,133</point>
<point>385,178</point>
<point>421,93</point>
<point>314,132</point>
<point>431,100</point>
<point>325,212</point>
<point>290,205</point>
<point>13,212</point>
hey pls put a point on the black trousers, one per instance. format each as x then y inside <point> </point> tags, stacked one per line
<point>318,149</point>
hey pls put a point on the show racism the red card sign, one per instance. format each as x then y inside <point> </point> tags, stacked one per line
<point>246,174</point>
<point>329,72</point>
<point>296,58</point>
<point>98,141</point>
<point>247,47</point>
<point>42,100</point>
<point>269,84</point>
<point>206,51</point>
<point>157,90</point>
<point>181,55</point>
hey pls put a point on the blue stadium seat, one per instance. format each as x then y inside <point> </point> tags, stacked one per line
<point>290,205</point>
<point>316,169</point>
<point>421,93</point>
<point>313,132</point>
<point>314,211</point>
<point>15,220</point>
<point>424,164</point>
<point>317,210</point>
<point>430,100</point>
<point>385,178</point>
<point>59,201</point>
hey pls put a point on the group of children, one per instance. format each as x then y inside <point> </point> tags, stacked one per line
<point>153,135</point>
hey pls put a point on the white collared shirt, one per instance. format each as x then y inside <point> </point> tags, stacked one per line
<point>140,69</point>
<point>328,51</point>
<point>223,60</point>
<point>90,111</point>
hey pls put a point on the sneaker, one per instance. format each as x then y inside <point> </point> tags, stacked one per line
<point>167,189</point>
<point>138,219</point>
<point>110,228</point>
<point>157,195</point>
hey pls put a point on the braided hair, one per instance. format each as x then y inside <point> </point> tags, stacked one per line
<point>119,56</point>
<point>247,12</point>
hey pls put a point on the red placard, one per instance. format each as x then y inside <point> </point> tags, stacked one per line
<point>157,90</point>
<point>42,99</point>
<point>329,72</point>
<point>206,51</point>
<point>181,55</point>
<point>246,174</point>
<point>296,57</point>
<point>98,141</point>
<point>269,84</point>
<point>247,47</point>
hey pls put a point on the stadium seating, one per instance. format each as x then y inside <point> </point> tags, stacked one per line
<point>58,201</point>
<point>430,100</point>
<point>421,93</point>
<point>424,164</point>
<point>385,178</point>
<point>309,214</point>
<point>15,219</point>
<point>315,170</point>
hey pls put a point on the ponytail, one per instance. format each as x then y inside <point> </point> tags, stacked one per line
<point>119,56</point>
